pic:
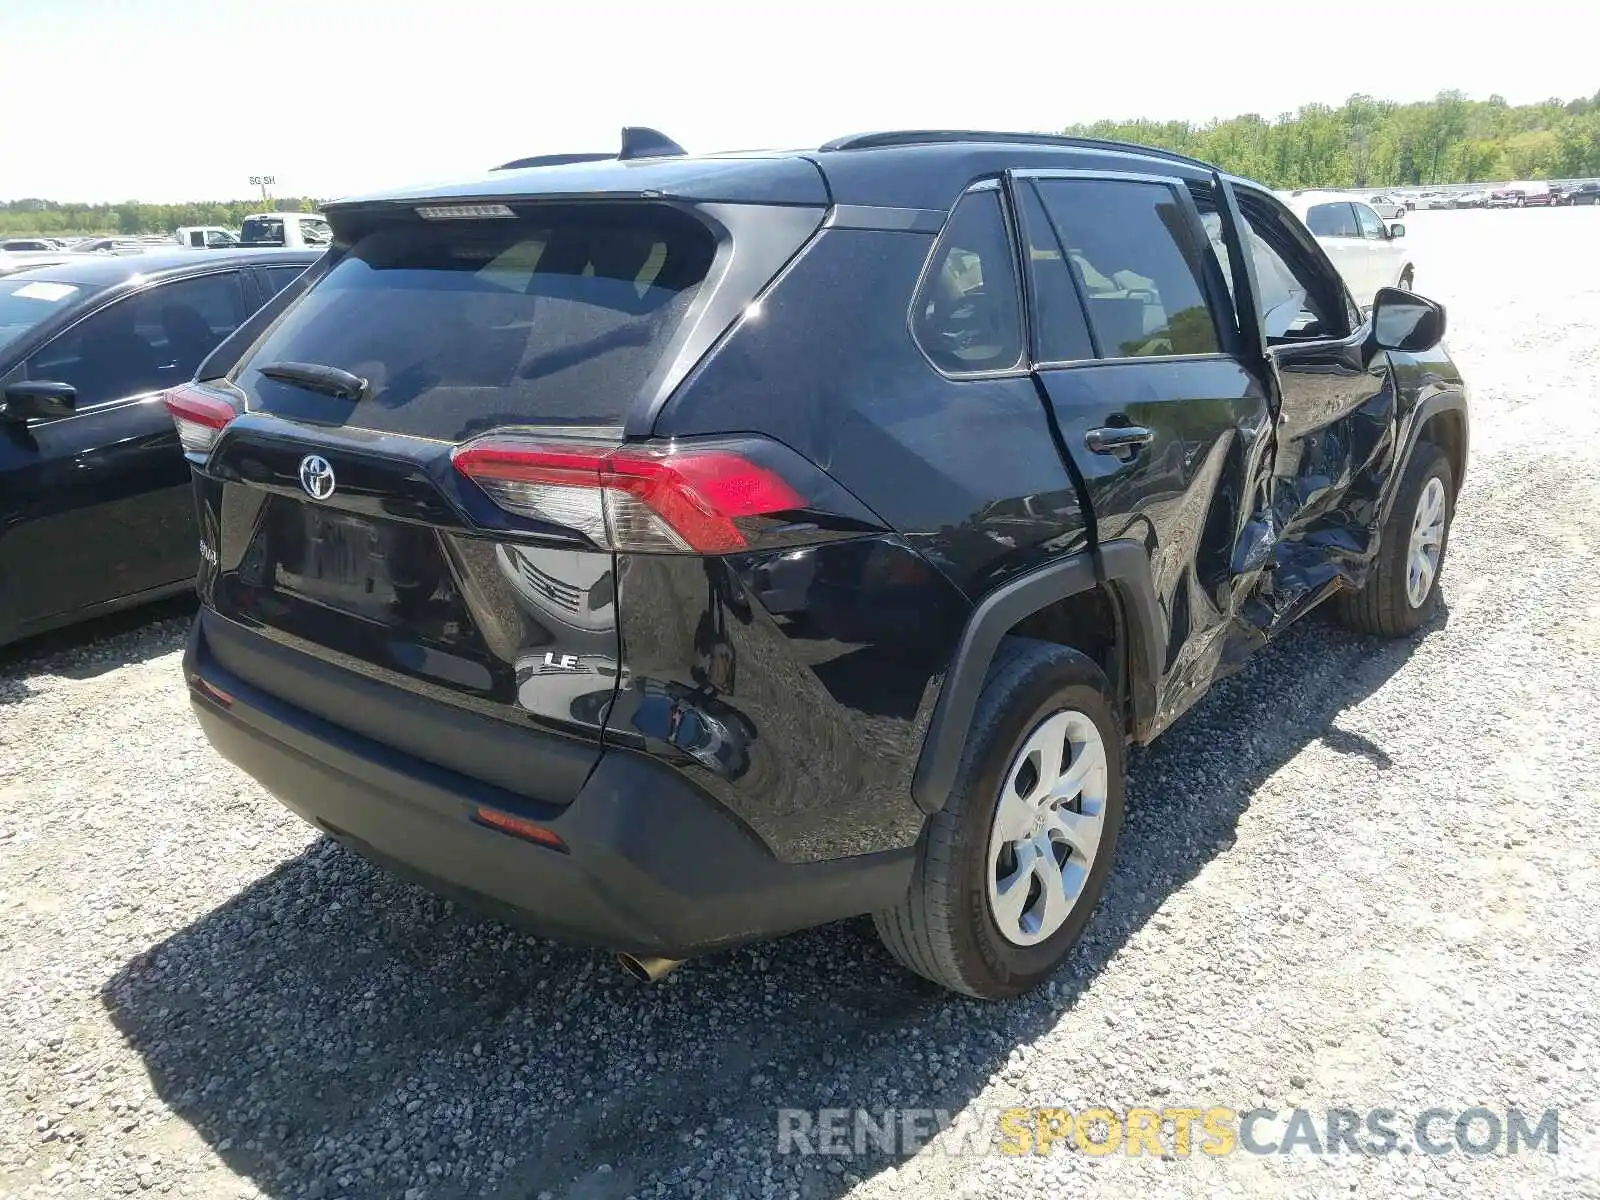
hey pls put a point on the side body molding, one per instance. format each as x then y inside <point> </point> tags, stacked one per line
<point>1124,568</point>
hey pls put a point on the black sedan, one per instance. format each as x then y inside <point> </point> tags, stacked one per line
<point>95,508</point>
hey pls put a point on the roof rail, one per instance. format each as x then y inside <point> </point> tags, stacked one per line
<point>638,141</point>
<point>552,160</point>
<point>929,137</point>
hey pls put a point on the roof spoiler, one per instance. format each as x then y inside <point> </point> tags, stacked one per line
<point>638,141</point>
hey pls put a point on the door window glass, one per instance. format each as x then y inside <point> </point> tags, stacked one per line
<point>1129,245</point>
<point>279,278</point>
<point>1297,302</point>
<point>145,343</point>
<point>1371,223</point>
<point>1063,329</point>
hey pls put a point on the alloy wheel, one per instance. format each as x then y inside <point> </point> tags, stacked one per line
<point>1047,827</point>
<point>1427,542</point>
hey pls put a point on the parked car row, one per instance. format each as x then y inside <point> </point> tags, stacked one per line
<point>293,231</point>
<point>1535,194</point>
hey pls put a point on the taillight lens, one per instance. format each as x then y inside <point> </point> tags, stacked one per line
<point>200,414</point>
<point>632,498</point>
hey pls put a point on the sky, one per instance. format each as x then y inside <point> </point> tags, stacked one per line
<point>170,100</point>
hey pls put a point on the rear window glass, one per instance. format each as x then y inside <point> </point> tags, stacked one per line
<point>460,326</point>
<point>262,231</point>
<point>1332,220</point>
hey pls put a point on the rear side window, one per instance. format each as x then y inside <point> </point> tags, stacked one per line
<point>460,326</point>
<point>1332,220</point>
<point>1130,246</point>
<point>1063,330</point>
<point>279,278</point>
<point>966,316</point>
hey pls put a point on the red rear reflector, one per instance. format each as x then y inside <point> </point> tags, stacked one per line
<point>628,498</point>
<point>518,827</point>
<point>211,690</point>
<point>200,415</point>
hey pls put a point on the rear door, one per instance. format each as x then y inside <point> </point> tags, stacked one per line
<point>104,505</point>
<point>1135,346</point>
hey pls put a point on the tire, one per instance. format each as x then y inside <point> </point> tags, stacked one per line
<point>1386,605</point>
<point>1407,280</point>
<point>946,930</point>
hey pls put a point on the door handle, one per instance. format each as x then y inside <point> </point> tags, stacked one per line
<point>1118,439</point>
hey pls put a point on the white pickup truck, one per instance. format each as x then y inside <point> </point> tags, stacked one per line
<point>295,231</point>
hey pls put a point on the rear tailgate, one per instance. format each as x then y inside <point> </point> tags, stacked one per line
<point>336,527</point>
<point>386,609</point>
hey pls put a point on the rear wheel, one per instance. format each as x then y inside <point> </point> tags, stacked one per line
<point>1012,866</point>
<point>1407,280</point>
<point>1403,589</point>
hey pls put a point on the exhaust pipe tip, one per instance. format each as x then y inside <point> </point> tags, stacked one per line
<point>646,968</point>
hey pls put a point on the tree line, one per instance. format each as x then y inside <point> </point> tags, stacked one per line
<point>1367,142</point>
<point>47,218</point>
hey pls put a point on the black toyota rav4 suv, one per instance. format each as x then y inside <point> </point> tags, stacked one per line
<point>668,551</point>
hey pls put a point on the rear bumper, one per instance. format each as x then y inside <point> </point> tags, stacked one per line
<point>653,865</point>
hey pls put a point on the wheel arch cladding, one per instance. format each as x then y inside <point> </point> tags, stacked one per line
<point>1444,423</point>
<point>1069,602</point>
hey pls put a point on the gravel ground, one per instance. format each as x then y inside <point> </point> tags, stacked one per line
<point>1359,874</point>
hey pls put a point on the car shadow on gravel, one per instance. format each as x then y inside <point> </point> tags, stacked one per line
<point>96,646</point>
<point>332,1031</point>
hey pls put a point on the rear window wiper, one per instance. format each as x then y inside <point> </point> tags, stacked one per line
<point>318,378</point>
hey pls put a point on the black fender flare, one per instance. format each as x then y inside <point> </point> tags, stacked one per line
<point>1453,400</point>
<point>1123,568</point>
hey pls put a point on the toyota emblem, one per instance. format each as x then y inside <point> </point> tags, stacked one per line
<point>316,476</point>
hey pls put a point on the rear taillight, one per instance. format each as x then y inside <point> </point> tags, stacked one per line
<point>695,500</point>
<point>200,414</point>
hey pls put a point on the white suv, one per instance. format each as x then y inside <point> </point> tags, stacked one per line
<point>1366,249</point>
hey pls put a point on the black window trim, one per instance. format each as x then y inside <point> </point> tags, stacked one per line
<point>1008,220</point>
<point>1360,326</point>
<point>117,296</point>
<point>1228,340</point>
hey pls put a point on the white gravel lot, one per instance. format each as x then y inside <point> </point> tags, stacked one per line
<point>1359,874</point>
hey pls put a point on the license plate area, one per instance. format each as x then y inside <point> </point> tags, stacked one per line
<point>342,552</point>
<point>385,571</point>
